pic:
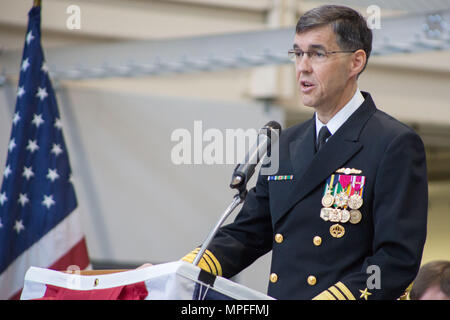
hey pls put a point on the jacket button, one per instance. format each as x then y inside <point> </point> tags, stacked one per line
<point>279,238</point>
<point>312,280</point>
<point>273,277</point>
<point>317,241</point>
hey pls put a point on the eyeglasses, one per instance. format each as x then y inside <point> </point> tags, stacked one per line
<point>315,56</point>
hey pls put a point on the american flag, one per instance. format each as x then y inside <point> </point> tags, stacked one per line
<point>178,280</point>
<point>39,221</point>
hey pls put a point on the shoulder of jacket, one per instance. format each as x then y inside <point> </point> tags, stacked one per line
<point>390,127</point>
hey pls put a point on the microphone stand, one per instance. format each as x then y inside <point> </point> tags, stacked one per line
<point>237,200</point>
<point>241,175</point>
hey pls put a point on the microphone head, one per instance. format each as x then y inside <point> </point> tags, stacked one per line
<point>273,125</point>
<point>272,130</point>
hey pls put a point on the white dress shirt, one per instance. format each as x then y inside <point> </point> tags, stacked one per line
<point>339,118</point>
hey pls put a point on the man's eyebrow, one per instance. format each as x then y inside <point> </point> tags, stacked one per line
<point>311,46</point>
<point>317,46</point>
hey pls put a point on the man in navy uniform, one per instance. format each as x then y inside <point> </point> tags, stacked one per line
<point>349,221</point>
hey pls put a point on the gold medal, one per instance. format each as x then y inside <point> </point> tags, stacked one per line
<point>355,201</point>
<point>345,215</point>
<point>327,200</point>
<point>337,231</point>
<point>335,215</point>
<point>341,199</point>
<point>355,216</point>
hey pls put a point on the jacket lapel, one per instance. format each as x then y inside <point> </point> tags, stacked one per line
<point>313,169</point>
<point>302,150</point>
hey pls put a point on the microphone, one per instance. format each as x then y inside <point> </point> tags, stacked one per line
<point>242,174</point>
<point>244,171</point>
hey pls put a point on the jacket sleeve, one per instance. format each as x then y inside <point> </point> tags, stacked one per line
<point>400,221</point>
<point>241,242</point>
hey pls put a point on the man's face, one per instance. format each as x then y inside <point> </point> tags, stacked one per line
<point>321,82</point>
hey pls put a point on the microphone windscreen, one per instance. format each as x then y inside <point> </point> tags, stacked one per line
<point>273,125</point>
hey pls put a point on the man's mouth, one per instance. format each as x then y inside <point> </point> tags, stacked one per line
<point>306,86</point>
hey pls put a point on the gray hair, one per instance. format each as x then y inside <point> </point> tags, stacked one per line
<point>349,26</point>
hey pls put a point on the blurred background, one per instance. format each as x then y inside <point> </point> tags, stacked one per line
<point>129,73</point>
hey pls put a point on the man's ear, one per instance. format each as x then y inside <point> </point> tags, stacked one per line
<point>359,59</point>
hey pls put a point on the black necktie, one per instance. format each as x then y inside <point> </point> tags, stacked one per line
<point>324,134</point>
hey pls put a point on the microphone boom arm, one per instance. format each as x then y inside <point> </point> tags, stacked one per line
<point>237,200</point>
<point>241,175</point>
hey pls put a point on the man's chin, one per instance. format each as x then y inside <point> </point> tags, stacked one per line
<point>308,103</point>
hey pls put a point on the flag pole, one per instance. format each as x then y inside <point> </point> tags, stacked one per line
<point>36,3</point>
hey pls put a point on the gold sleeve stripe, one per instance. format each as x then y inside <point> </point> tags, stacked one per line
<point>208,262</point>
<point>205,266</point>
<point>188,258</point>
<point>216,262</point>
<point>202,264</point>
<point>345,290</point>
<point>212,258</point>
<point>336,293</point>
<point>325,295</point>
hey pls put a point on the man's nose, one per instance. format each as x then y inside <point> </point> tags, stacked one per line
<point>304,64</point>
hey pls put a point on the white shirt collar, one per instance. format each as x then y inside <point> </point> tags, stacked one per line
<point>339,118</point>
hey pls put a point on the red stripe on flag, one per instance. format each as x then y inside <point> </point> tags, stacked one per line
<point>135,291</point>
<point>76,255</point>
<point>16,296</point>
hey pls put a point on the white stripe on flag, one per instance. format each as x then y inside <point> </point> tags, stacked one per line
<point>43,253</point>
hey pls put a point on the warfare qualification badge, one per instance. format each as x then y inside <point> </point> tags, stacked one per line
<point>337,231</point>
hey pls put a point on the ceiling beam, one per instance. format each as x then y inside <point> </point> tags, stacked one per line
<point>224,51</point>
<point>139,20</point>
<point>253,5</point>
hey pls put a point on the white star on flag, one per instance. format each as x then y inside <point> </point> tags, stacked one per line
<point>44,67</point>
<point>58,124</point>
<point>52,174</point>
<point>48,201</point>
<point>7,171</point>
<point>3,198</point>
<point>56,149</point>
<point>19,226</point>
<point>37,120</point>
<point>16,118</point>
<point>23,199</point>
<point>20,91</point>
<point>12,144</point>
<point>25,65</point>
<point>42,93</point>
<point>27,172</point>
<point>32,146</point>
<point>30,37</point>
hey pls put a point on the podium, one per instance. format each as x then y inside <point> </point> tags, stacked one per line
<point>177,280</point>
